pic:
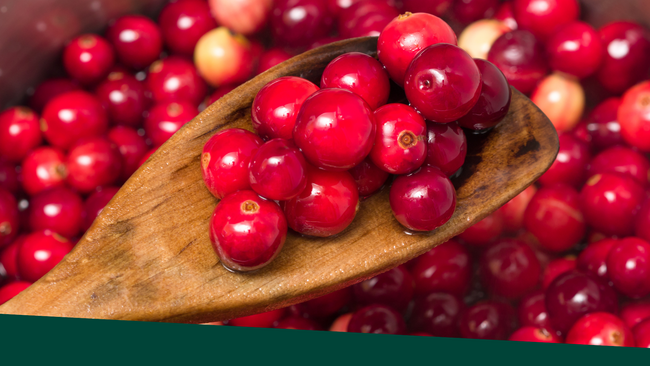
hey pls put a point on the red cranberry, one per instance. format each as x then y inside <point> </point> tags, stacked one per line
<point>562,99</point>
<point>9,178</point>
<point>505,14</point>
<point>335,129</point>
<point>478,37</point>
<point>131,146</point>
<point>642,221</point>
<point>298,22</point>
<point>641,334</point>
<point>299,323</point>
<point>123,97</point>
<point>93,163</point>
<point>574,294</point>
<point>341,323</point>
<point>532,311</point>
<point>485,231</point>
<point>556,267</point>
<point>165,119</point>
<point>407,35</point>
<point>441,93</point>
<point>513,211</point>
<point>628,267</point>
<point>183,23</point>
<point>272,57</point>
<point>575,49</point>
<point>243,16</point>
<point>602,125</point>
<point>377,319</point>
<point>532,334</point>
<point>95,204</point>
<point>554,217</point>
<point>324,41</point>
<point>19,133</point>
<point>627,55</point>
<point>71,117</point>
<point>326,305</point>
<point>486,320</point>
<point>622,160</point>
<point>366,18</point>
<point>467,11</point>
<point>39,253</point>
<point>437,314</point>
<point>219,93</point>
<point>544,17</point>
<point>634,116</point>
<point>278,170</point>
<point>175,79</point>
<point>509,268</point>
<point>570,165</point>
<point>360,74</point>
<point>446,146</point>
<point>137,40</point>
<point>148,155</point>
<point>424,200</point>
<point>10,290</point>
<point>445,268</point>
<point>494,101</point>
<point>262,320</point>
<point>600,329</point>
<point>369,177</point>
<point>59,210</point>
<point>435,7</point>
<point>326,206</point>
<point>88,58</point>
<point>9,220</point>
<point>224,58</point>
<point>50,89</point>
<point>609,202</point>
<point>521,58</point>
<point>393,288</point>
<point>594,258</point>
<point>635,312</point>
<point>276,106</point>
<point>43,168</point>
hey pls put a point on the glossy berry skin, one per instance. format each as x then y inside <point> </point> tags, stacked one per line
<point>296,23</point>
<point>39,253</point>
<point>224,58</point>
<point>477,38</point>
<point>445,268</point>
<point>326,206</point>
<point>556,267</point>
<point>562,99</point>
<point>544,17</point>
<point>555,218</point>
<point>634,116</point>
<point>123,97</point>
<point>602,125</point>
<point>59,210</point>
<point>276,106</point>
<point>262,320</point>
<point>94,205</point>
<point>574,294</point>
<point>513,211</point>
<point>642,221</point>
<point>634,313</point>
<point>467,11</point>
<point>532,311</point>
<point>175,79</point>
<point>360,74</point>
<point>377,319</point>
<point>10,290</point>
<point>400,142</point>
<point>165,119</point>
<point>19,133</point>
<point>609,202</point>
<point>270,58</point>
<point>137,40</point>
<point>575,49</point>
<point>641,334</point>
<point>278,171</point>
<point>570,165</point>
<point>485,231</point>
<point>600,329</point>
<point>9,220</point>
<point>50,89</point>
<point>131,146</point>
<point>628,267</point>
<point>183,23</point>
<point>326,305</point>
<point>369,177</point>
<point>446,147</point>
<point>594,258</point>
<point>532,334</point>
<point>404,37</point>
<point>297,323</point>
<point>435,7</point>
<point>43,168</point>
<point>494,101</point>
<point>440,93</point>
<point>509,268</point>
<point>8,258</point>
<point>88,58</point>
<point>436,314</point>
<point>423,200</point>
<point>622,160</point>
<point>627,55</point>
<point>486,320</point>
<point>521,58</point>
<point>93,163</point>
<point>393,288</point>
<point>71,117</point>
<point>225,161</point>
<point>335,129</point>
<point>366,18</point>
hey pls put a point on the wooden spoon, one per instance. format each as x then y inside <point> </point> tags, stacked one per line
<point>148,255</point>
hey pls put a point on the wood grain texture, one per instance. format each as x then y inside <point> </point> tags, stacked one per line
<point>148,255</point>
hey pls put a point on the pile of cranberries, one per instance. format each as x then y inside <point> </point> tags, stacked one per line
<point>567,260</point>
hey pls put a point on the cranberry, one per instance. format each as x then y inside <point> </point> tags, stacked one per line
<point>276,106</point>
<point>424,200</point>
<point>298,22</point>
<point>435,7</point>
<point>272,57</point>
<point>446,147</point>
<point>131,146</point>
<point>39,253</point>
<point>219,93</point>
<point>95,204</point>
<point>628,267</point>
<point>641,334</point>
<point>19,133</point>
<point>627,55</point>
<point>148,155</point>
<point>602,125</point>
<point>93,163</point>
<point>244,16</point>
<point>71,117</point>
<point>505,14</point>
<point>407,35</point>
<point>467,11</point>
<point>441,93</point>
<point>556,267</point>
<point>634,116</point>
<point>562,100</point>
<point>366,18</point>
<point>224,58</point>
<point>341,323</point>
<point>137,40</point>
<point>642,221</point>
<point>88,58</point>
<point>494,101</point>
<point>10,290</point>
<point>183,23</point>
<point>278,170</point>
<point>554,217</point>
<point>575,49</point>
<point>9,178</point>
<point>574,294</point>
<point>43,168</point>
<point>478,37</point>
<point>635,312</point>
<point>369,177</point>
<point>299,323</point>
<point>544,17</point>
<point>175,79</point>
<point>9,221</point>
<point>437,314</point>
<point>262,320</point>
<point>532,311</point>
<point>324,41</point>
<point>533,334</point>
<point>486,320</point>
<point>513,211</point>
<point>326,206</point>
<point>600,329</point>
<point>165,119</point>
<point>445,268</point>
<point>609,202</point>
<point>59,210</point>
<point>50,89</point>
<point>335,129</point>
<point>326,305</point>
<point>509,268</point>
<point>521,58</point>
<point>622,160</point>
<point>570,165</point>
<point>593,258</point>
<point>377,319</point>
<point>393,288</point>
<point>485,231</point>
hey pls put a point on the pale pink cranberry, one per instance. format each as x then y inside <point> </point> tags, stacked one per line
<point>478,37</point>
<point>562,100</point>
<point>224,58</point>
